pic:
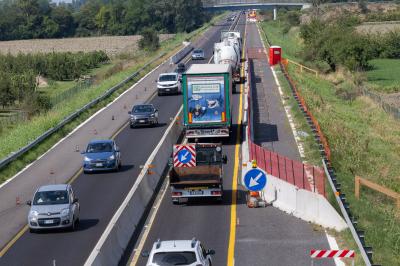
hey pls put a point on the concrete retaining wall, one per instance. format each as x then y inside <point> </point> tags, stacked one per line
<point>182,53</point>
<point>303,204</point>
<point>111,246</point>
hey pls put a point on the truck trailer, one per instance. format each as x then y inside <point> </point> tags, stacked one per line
<point>207,100</point>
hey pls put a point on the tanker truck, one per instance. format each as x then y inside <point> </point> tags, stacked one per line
<point>228,52</point>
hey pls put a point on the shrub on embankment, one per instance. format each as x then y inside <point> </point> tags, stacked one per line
<point>364,140</point>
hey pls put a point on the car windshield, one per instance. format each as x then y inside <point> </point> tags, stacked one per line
<point>167,78</point>
<point>197,51</point>
<point>208,156</point>
<point>99,147</point>
<point>142,109</point>
<point>174,258</point>
<point>51,197</point>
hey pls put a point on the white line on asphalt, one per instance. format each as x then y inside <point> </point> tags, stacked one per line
<point>82,124</point>
<point>148,226</point>
<point>334,246</point>
<point>130,194</point>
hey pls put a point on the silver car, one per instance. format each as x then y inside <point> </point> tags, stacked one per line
<point>53,206</point>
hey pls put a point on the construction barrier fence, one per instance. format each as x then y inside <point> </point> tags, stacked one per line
<point>301,175</point>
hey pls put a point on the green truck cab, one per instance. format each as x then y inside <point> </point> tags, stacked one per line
<point>207,100</point>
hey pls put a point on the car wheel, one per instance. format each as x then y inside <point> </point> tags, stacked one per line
<point>73,225</point>
<point>131,126</point>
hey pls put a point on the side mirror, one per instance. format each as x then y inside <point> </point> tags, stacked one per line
<point>76,200</point>
<point>156,81</point>
<point>129,112</point>
<point>145,254</point>
<point>29,203</point>
<point>83,152</point>
<point>117,149</point>
<point>210,252</point>
<point>224,159</point>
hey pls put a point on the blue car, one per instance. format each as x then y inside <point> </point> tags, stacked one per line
<point>101,155</point>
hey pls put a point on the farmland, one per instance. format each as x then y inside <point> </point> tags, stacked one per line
<point>112,45</point>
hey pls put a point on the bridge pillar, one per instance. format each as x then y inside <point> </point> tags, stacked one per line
<point>275,13</point>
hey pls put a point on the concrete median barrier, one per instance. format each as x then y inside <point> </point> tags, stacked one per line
<point>112,243</point>
<point>303,204</point>
<point>182,53</point>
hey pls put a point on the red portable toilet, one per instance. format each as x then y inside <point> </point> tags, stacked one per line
<point>275,55</point>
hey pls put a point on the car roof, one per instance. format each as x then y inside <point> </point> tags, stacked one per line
<point>137,105</point>
<point>175,245</point>
<point>101,141</point>
<point>171,73</point>
<point>54,187</point>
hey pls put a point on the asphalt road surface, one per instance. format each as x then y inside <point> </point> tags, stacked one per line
<point>101,194</point>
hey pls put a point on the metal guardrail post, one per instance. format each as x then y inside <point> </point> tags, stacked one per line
<point>346,216</point>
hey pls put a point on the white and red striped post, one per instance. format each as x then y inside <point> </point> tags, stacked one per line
<point>331,254</point>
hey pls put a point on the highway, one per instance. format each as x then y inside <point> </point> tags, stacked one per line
<point>101,194</point>
<point>206,220</point>
<point>238,234</point>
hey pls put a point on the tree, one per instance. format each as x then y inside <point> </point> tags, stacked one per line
<point>149,40</point>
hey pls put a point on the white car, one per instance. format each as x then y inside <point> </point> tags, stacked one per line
<point>179,252</point>
<point>168,83</point>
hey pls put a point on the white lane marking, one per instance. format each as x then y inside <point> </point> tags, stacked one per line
<point>334,246</point>
<point>148,226</point>
<point>80,125</point>
<point>121,208</point>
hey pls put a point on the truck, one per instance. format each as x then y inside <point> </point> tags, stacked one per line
<point>204,179</point>
<point>207,101</point>
<point>228,52</point>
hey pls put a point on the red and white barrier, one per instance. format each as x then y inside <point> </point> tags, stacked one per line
<point>345,253</point>
<point>331,254</point>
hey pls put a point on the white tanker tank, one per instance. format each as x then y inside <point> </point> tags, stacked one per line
<point>228,52</point>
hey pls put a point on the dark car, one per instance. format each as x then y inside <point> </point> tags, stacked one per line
<point>143,114</point>
<point>180,69</point>
<point>101,155</point>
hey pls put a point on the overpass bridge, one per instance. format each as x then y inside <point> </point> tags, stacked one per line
<point>252,4</point>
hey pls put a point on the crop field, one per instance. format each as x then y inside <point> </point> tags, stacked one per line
<point>112,45</point>
<point>373,28</point>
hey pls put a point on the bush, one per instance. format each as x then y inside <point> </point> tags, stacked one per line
<point>150,40</point>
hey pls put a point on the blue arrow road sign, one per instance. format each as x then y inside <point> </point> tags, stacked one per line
<point>184,156</point>
<point>255,179</point>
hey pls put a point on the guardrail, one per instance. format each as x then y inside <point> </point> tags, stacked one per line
<point>358,235</point>
<point>72,116</point>
<point>114,240</point>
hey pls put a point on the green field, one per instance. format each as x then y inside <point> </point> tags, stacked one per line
<point>364,141</point>
<point>384,75</point>
<point>14,137</point>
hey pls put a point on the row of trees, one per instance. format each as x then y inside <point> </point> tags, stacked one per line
<point>27,19</point>
<point>18,74</point>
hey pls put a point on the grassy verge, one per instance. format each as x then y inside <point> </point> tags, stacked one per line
<point>384,76</point>
<point>365,142</point>
<point>22,134</point>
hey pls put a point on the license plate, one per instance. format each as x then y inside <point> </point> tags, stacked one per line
<point>141,121</point>
<point>99,164</point>
<point>196,192</point>
<point>166,89</point>
<point>48,221</point>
